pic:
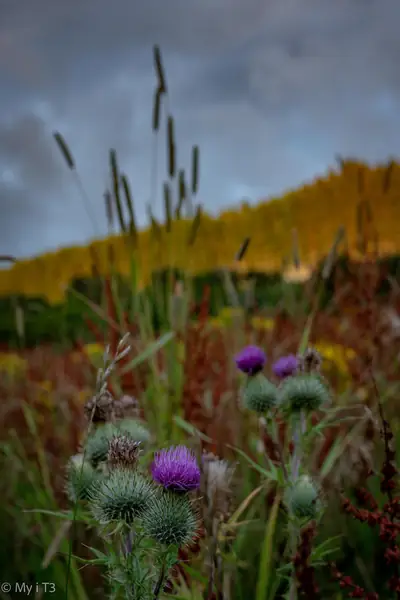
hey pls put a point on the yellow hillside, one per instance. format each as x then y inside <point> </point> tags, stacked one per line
<point>315,210</point>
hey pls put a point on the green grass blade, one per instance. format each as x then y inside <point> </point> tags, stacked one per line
<point>264,572</point>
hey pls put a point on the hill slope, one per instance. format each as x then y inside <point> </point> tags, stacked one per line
<point>315,210</point>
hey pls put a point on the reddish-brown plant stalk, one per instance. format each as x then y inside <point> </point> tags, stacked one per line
<point>304,571</point>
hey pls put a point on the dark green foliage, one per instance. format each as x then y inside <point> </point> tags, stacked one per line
<point>67,323</point>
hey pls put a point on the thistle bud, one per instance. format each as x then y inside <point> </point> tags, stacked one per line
<point>170,520</point>
<point>98,442</point>
<point>260,395</point>
<point>302,498</point>
<point>123,452</point>
<point>304,392</point>
<point>80,478</point>
<point>122,496</point>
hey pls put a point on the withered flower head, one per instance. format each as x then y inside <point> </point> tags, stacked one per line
<point>126,407</point>
<point>123,452</point>
<point>98,442</point>
<point>100,409</point>
<point>310,361</point>
<point>218,476</point>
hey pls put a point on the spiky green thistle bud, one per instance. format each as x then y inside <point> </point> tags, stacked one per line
<point>121,496</point>
<point>170,520</point>
<point>260,395</point>
<point>80,478</point>
<point>302,498</point>
<point>98,442</point>
<point>305,392</point>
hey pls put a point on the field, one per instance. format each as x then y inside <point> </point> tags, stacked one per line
<point>305,500</point>
<point>187,390</point>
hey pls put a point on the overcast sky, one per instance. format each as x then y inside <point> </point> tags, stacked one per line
<point>271,91</point>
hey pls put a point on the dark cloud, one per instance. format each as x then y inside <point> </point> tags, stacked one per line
<point>271,91</point>
<point>25,149</point>
<point>27,165</point>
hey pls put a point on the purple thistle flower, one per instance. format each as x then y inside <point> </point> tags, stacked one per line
<point>176,469</point>
<point>251,360</point>
<point>285,366</point>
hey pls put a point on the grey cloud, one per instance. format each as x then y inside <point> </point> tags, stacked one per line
<point>29,177</point>
<point>25,146</point>
<point>271,91</point>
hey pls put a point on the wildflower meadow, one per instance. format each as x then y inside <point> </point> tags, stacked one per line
<point>200,433</point>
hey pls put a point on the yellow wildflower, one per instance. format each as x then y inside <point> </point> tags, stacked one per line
<point>262,323</point>
<point>45,396</point>
<point>216,322</point>
<point>336,354</point>
<point>12,364</point>
<point>228,314</point>
<point>94,349</point>
<point>46,386</point>
<point>95,354</point>
<point>83,396</point>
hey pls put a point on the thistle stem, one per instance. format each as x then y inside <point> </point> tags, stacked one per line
<point>277,445</point>
<point>128,546</point>
<point>213,559</point>
<point>161,578</point>
<point>299,428</point>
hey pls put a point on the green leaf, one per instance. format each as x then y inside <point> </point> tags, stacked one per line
<point>90,561</point>
<point>332,457</point>
<point>68,515</point>
<point>194,574</point>
<point>264,572</point>
<point>190,429</point>
<point>97,552</point>
<point>329,422</point>
<point>244,505</point>
<point>152,349</point>
<point>271,474</point>
<point>319,552</point>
